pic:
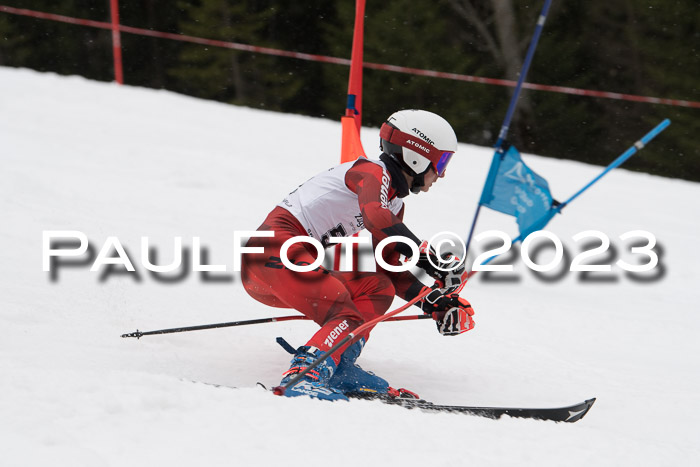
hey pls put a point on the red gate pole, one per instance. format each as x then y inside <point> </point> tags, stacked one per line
<point>351,123</point>
<point>354,105</point>
<point>116,42</point>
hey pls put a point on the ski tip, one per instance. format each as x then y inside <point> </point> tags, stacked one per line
<point>279,390</point>
<point>590,402</point>
<point>577,413</point>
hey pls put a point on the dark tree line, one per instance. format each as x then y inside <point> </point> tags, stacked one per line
<point>643,47</point>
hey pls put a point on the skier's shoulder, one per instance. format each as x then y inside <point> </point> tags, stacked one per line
<point>369,167</point>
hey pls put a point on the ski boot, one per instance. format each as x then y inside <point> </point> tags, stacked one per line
<point>349,377</point>
<point>316,383</point>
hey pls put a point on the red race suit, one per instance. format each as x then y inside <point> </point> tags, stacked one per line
<point>338,202</point>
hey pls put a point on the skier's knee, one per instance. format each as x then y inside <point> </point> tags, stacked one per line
<point>384,288</point>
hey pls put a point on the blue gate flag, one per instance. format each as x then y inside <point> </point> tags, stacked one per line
<point>514,189</point>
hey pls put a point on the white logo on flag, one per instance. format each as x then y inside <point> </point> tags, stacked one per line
<point>516,173</point>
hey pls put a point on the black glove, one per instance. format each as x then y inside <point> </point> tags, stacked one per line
<point>449,273</point>
<point>453,314</point>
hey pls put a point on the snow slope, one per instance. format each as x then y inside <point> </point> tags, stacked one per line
<point>127,162</point>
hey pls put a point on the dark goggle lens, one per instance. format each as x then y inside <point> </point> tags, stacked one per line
<point>442,163</point>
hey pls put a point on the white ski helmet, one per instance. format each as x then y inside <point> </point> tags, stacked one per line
<point>418,139</point>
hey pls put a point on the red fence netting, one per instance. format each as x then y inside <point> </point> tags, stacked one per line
<point>117,28</point>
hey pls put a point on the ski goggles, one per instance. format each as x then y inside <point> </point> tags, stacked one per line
<point>442,163</point>
<point>438,159</point>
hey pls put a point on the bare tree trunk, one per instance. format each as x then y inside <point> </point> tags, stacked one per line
<point>466,10</point>
<point>158,77</point>
<point>507,33</point>
<point>236,78</point>
<point>497,30</point>
<point>632,32</point>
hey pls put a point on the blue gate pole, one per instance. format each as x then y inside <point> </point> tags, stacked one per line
<point>511,109</point>
<point>639,145</point>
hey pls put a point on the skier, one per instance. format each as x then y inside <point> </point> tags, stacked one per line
<point>365,194</point>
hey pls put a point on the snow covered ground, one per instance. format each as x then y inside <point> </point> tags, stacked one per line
<point>127,162</point>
